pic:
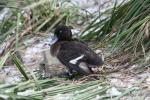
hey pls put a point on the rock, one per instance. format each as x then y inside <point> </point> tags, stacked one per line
<point>113,92</point>
<point>5,14</point>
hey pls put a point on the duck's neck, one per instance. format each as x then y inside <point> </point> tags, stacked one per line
<point>70,39</point>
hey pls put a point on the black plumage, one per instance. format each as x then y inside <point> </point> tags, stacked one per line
<point>74,54</point>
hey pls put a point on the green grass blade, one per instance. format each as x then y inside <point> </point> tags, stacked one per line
<point>19,66</point>
<point>3,59</point>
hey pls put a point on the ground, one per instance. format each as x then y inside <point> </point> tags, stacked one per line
<point>117,70</point>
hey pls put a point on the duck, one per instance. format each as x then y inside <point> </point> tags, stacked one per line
<point>73,53</point>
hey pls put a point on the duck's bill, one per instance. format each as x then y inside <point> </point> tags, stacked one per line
<point>53,40</point>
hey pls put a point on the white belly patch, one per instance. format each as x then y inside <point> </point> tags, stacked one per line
<point>74,61</point>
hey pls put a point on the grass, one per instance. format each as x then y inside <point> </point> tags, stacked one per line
<point>73,91</point>
<point>123,28</point>
<point>3,59</point>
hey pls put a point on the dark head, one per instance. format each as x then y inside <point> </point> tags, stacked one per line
<point>63,32</point>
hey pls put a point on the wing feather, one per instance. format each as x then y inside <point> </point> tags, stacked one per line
<point>73,50</point>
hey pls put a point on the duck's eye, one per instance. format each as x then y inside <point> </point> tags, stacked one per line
<point>60,31</point>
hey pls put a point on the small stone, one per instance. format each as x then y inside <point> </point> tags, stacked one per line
<point>113,92</point>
